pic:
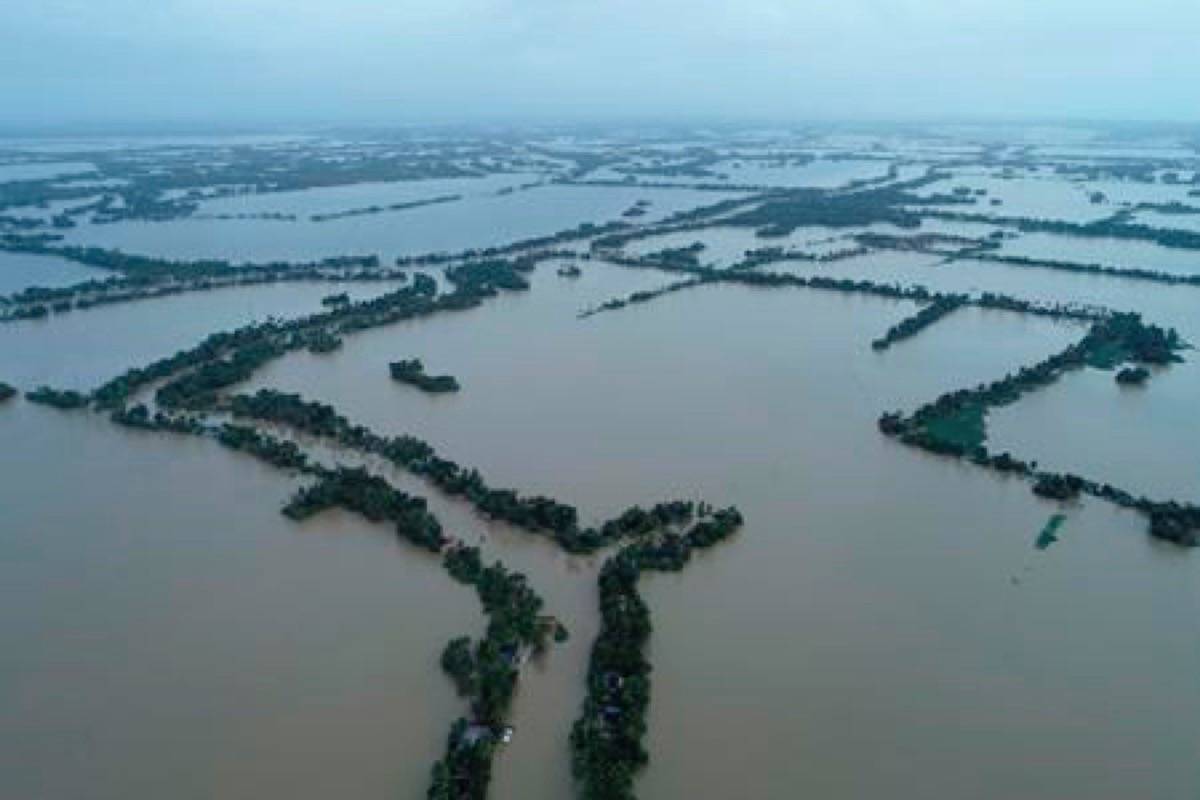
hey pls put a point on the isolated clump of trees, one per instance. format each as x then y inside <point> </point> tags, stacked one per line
<point>412,372</point>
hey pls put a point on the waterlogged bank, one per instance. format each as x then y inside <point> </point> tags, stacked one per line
<point>152,581</point>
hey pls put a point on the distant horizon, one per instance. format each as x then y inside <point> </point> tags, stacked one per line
<point>318,126</point>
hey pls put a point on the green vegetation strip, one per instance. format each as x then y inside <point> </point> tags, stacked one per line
<point>606,740</point>
<point>954,424</point>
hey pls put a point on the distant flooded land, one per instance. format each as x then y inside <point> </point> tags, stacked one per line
<point>847,461</point>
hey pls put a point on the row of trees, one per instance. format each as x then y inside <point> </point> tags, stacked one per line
<point>486,672</point>
<point>537,514</point>
<point>606,741</point>
<point>908,327</point>
<point>368,210</point>
<point>195,376</point>
<point>953,424</point>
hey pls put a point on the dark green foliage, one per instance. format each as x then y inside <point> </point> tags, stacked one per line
<point>198,388</point>
<point>372,497</point>
<point>61,399</point>
<point>487,277</point>
<point>225,359</point>
<point>606,741</point>
<point>458,661</point>
<point>283,454</point>
<point>1057,487</point>
<point>1175,522</point>
<point>954,425</point>
<point>1110,341</point>
<point>1049,533</point>
<point>7,392</point>
<point>641,297</point>
<point>359,212</point>
<point>1133,376</point>
<point>487,672</point>
<point>336,300</point>
<point>814,207</point>
<point>322,342</point>
<point>138,416</point>
<point>911,326</point>
<point>412,372</point>
<point>1117,226</point>
<point>532,513</point>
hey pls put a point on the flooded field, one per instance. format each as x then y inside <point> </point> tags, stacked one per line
<point>478,220</point>
<point>884,623</point>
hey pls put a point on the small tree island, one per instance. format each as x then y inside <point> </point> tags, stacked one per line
<point>412,372</point>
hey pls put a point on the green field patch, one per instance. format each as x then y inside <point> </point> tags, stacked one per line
<point>1049,532</point>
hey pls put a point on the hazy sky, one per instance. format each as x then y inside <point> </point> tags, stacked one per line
<point>446,60</point>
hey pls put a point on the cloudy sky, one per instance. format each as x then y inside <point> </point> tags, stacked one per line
<point>228,61</point>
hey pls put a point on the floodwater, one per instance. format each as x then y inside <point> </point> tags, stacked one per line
<point>478,220</point>
<point>883,625</point>
<point>82,349</point>
<point>1142,438</point>
<point>20,271</point>
<point>875,588</point>
<point>168,632</point>
<point>1126,253</point>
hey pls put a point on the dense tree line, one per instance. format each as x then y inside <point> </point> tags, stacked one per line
<point>139,416</point>
<point>1114,227</point>
<point>7,392</point>
<point>954,423</point>
<point>62,399</point>
<point>815,207</point>
<point>224,359</point>
<point>1129,273</point>
<point>357,490</point>
<point>761,256</point>
<point>486,671</point>
<point>606,741</point>
<point>367,210</point>
<point>908,327</point>
<point>642,296</point>
<point>278,453</point>
<point>532,513</point>
<point>39,301</point>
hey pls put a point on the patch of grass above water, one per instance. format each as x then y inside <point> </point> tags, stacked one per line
<point>1049,534</point>
<point>1107,355</point>
<point>965,427</point>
